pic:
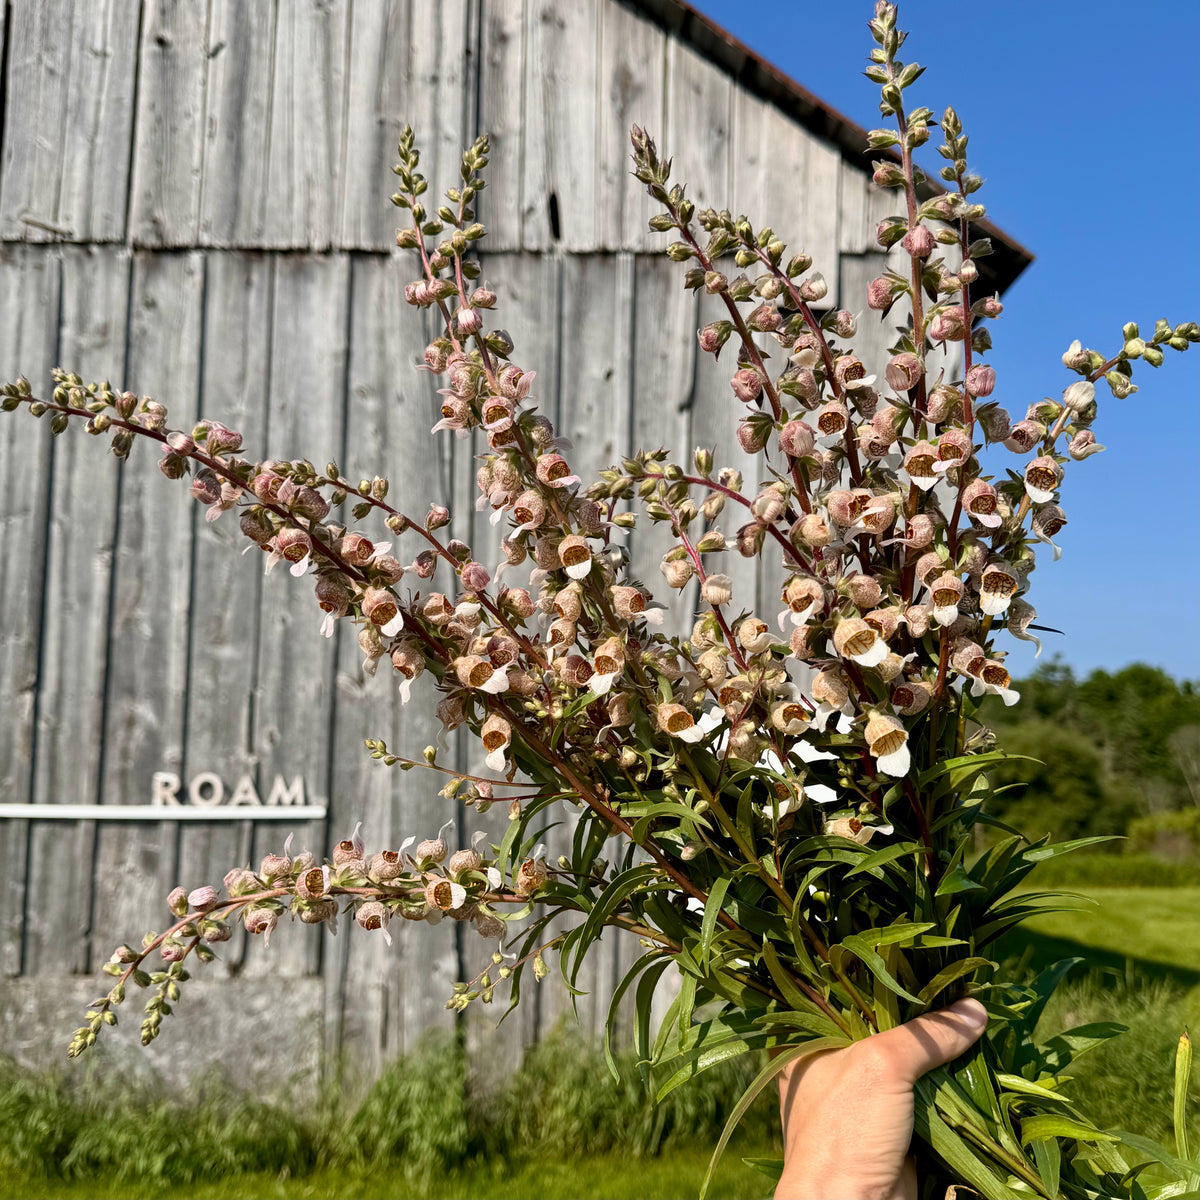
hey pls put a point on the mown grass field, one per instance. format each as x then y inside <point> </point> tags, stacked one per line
<point>1142,947</point>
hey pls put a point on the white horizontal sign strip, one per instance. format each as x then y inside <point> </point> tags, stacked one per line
<point>161,812</point>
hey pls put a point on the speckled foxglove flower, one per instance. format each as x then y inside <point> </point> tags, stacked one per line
<point>945,593</point>
<point>789,716</point>
<point>856,640</point>
<point>456,415</point>
<point>887,740</point>
<point>575,555</point>
<point>954,448</point>
<point>574,670</point>
<point>629,603</point>
<point>1083,445</point>
<point>879,294</point>
<point>994,421</point>
<point>1047,521</point>
<point>373,914</point>
<point>380,608</point>
<point>919,464</point>
<point>831,693</point>
<point>917,618</point>
<point>202,898</point>
<point>496,736</point>
<point>273,866</point>
<point>313,883</point>
<point>408,659</point>
<point>754,635</point>
<point>797,439</point>
<point>877,516</point>
<point>1024,435</point>
<point>885,621</point>
<point>717,590</point>
<point>553,471</point>
<point>531,874</point>
<point>1020,616</point>
<point>675,720</point>
<point>903,371</point>
<point>864,590</point>
<point>488,926</point>
<point>948,326</point>
<point>980,503</point>
<point>814,288</point>
<point>388,864</point>
<point>994,679</point>
<point>911,697</point>
<point>443,894</point>
<point>262,921</point>
<point>241,881</point>
<point>677,570</point>
<point>433,850</point>
<point>473,671</point>
<point>997,587</point>
<point>918,533</point>
<point>832,418</point>
<point>803,597</point>
<point>1041,479</point>
<point>854,829</point>
<point>348,849</point>
<point>980,381</point>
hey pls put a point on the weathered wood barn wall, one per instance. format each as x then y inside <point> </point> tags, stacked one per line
<point>193,203</point>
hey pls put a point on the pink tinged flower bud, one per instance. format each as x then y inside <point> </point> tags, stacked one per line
<point>997,588</point>
<point>945,592</point>
<point>885,621</point>
<point>675,720</point>
<point>467,320</point>
<point>911,697</point>
<point>752,436</point>
<point>435,357</point>
<point>436,609</point>
<point>203,898</point>
<point>1024,435</point>
<point>531,876</point>
<point>206,487</point>
<point>919,464</point>
<point>844,324</point>
<point>489,927</point>
<point>221,439</point>
<point>173,466</point>
<point>1083,445</point>
<point>903,371</point>
<point>845,507</point>
<point>273,866</point>
<point>319,911</point>
<point>476,672</point>
<point>917,618</point>
<point>754,635</point>
<point>880,294</point>
<point>474,576</point>
<point>797,439</point>
<point>212,932</point>
<point>768,506</point>
<point>890,668</point>
<point>713,664</point>
<point>1079,396</point>
<point>553,471</point>
<point>980,381</point>
<point>747,385</point>
<point>856,640</point>
<point>887,739</point>
<point>1041,479</point>
<point>814,288</point>
<point>764,319</point>
<point>717,590</point>
<point>929,566</point>
<point>380,608</point>
<point>462,861</point>
<point>798,642</point>
<point>994,421</point>
<point>449,711</point>
<point>919,242</point>
<point>943,404</point>
<point>829,688</point>
<point>980,503</point>
<point>677,571</point>
<point>256,525</point>
<point>387,569</point>
<point>832,419</point>
<point>177,902</point>
<point>864,590</point>
<point>241,881</point>
<point>333,594</point>
<point>620,710</point>
<point>713,337</point>
<point>574,670</point>
<point>261,920</point>
<point>348,849</point>
<point>813,530</point>
<point>948,326</point>
<point>518,602</point>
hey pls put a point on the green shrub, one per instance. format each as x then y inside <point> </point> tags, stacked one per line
<point>1174,833</point>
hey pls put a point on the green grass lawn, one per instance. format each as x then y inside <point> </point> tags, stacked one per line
<point>1142,947</point>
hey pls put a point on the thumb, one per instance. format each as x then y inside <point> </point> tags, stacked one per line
<point>933,1039</point>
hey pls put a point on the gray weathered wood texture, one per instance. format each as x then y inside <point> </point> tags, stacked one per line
<point>194,202</point>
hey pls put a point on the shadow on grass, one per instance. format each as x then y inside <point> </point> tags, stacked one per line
<point>1044,949</point>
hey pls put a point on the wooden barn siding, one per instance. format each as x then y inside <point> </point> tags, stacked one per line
<point>232,260</point>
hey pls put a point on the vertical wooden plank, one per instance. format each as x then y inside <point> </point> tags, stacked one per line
<point>389,995</point>
<point>502,108</point>
<point>408,65</point>
<point>664,379</point>
<point>233,188</point>
<point>699,119</point>
<point>559,173</point>
<point>70,703</point>
<point>225,607</point>
<point>630,91</point>
<point>304,154</point>
<point>294,695</point>
<point>168,146</point>
<point>146,670</point>
<point>29,291</point>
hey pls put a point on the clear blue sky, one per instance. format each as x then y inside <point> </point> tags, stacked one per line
<point>1083,122</point>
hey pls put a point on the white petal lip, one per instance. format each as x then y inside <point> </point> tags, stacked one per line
<point>394,626</point>
<point>1036,494</point>
<point>993,603</point>
<point>494,878</point>
<point>924,482</point>
<point>946,615</point>
<point>989,520</point>
<point>873,657</point>
<point>328,624</point>
<point>652,615</point>
<point>406,691</point>
<point>693,733</point>
<point>1008,696</point>
<point>497,683</point>
<point>601,684</point>
<point>495,760</point>
<point>896,763</point>
<point>822,793</point>
<point>300,567</point>
<point>580,569</point>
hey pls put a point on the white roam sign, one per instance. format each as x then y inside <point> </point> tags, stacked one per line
<point>203,799</point>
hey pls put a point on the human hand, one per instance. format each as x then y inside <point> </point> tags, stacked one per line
<point>848,1114</point>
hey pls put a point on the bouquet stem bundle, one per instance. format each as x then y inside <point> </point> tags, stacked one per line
<point>779,806</point>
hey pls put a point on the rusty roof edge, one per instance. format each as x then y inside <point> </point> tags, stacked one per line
<point>1008,259</point>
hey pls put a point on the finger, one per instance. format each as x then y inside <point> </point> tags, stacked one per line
<point>931,1040</point>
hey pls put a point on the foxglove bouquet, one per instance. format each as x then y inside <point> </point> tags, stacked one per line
<point>780,805</point>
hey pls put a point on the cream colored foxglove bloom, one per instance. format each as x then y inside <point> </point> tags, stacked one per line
<point>496,735</point>
<point>607,663</point>
<point>856,640</point>
<point>920,463</point>
<point>1041,479</point>
<point>946,592</point>
<point>853,829</point>
<point>675,720</point>
<point>887,739</point>
<point>997,588</point>
<point>994,679</point>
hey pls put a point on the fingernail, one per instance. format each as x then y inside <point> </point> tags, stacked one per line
<point>971,1011</point>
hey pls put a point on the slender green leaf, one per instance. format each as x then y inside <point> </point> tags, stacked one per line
<point>1183,1071</point>
<point>964,1162</point>
<point>768,1166</point>
<point>947,975</point>
<point>1050,1125</point>
<point>647,960</point>
<point>1048,1156</point>
<point>770,1071</point>
<point>712,910</point>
